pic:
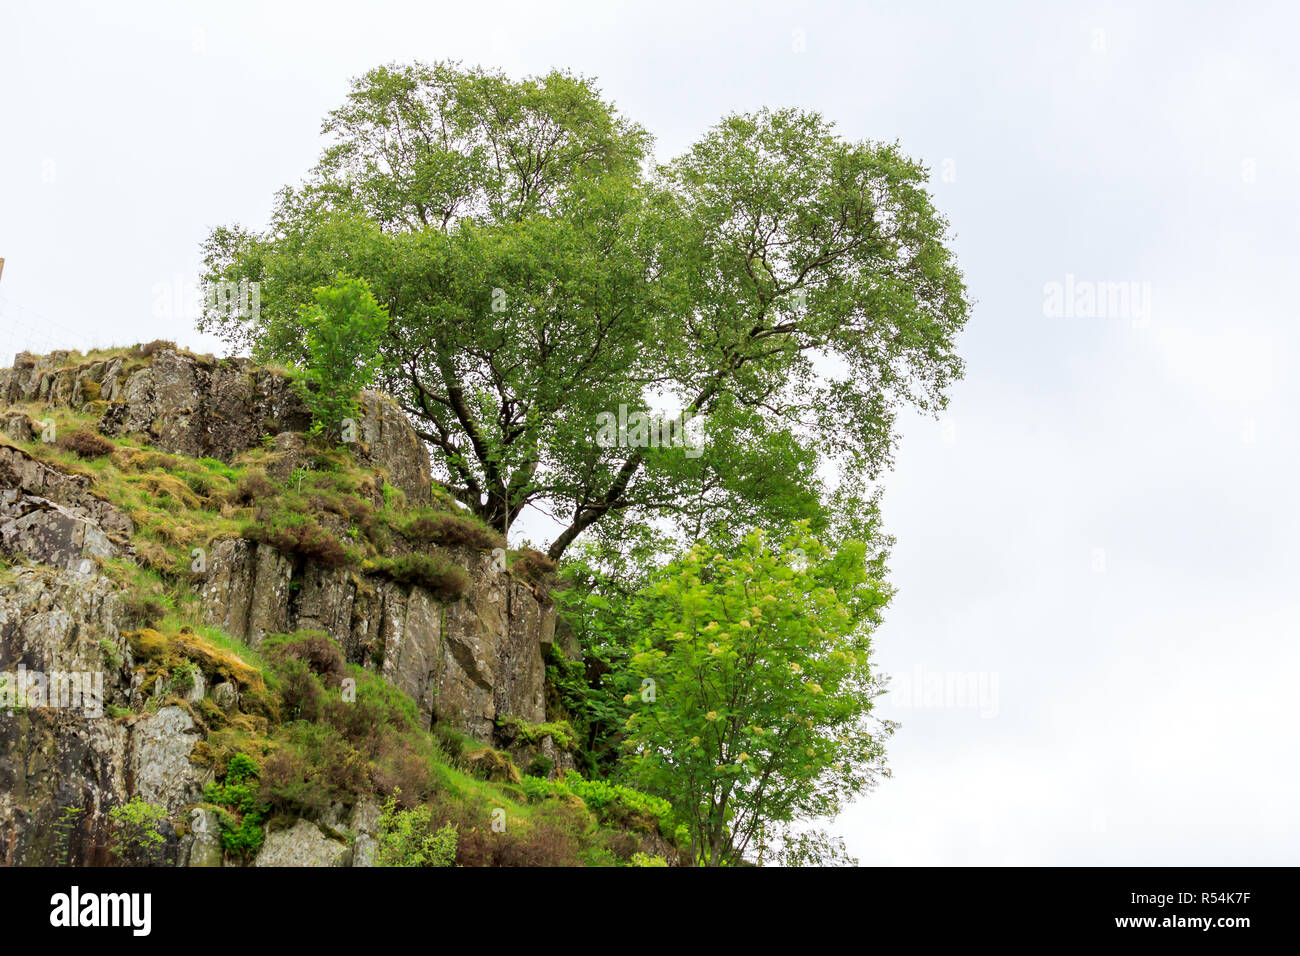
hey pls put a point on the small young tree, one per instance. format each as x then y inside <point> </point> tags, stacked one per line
<point>756,711</point>
<point>411,838</point>
<point>136,840</point>
<point>342,327</point>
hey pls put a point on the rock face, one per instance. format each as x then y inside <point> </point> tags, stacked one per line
<point>64,762</point>
<point>467,662</point>
<point>302,844</point>
<point>53,518</point>
<point>204,409</point>
<point>209,408</point>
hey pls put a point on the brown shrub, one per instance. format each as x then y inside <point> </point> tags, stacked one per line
<point>553,838</point>
<point>314,648</point>
<point>451,530</point>
<point>143,610</point>
<point>357,512</point>
<point>399,770</point>
<point>298,534</point>
<point>253,488</point>
<point>532,566</point>
<point>444,580</point>
<point>155,557</point>
<point>301,694</point>
<point>86,444</point>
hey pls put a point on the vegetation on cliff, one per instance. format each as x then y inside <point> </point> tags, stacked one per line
<point>505,258</point>
<point>295,732</point>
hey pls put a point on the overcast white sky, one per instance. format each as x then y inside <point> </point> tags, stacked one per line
<point>1102,532</point>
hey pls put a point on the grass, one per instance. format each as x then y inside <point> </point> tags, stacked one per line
<point>334,510</point>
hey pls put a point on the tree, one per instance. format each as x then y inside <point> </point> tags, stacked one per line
<point>783,290</point>
<point>755,711</point>
<point>412,838</point>
<point>342,327</point>
<point>136,839</point>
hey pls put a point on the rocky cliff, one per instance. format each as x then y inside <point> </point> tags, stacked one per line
<point>159,511</point>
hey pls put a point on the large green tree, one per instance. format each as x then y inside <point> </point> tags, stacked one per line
<point>783,288</point>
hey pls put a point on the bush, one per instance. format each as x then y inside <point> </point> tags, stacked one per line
<point>443,579</point>
<point>553,838</point>
<point>143,610</point>
<point>313,768</point>
<point>254,487</point>
<point>450,530</point>
<point>409,838</point>
<point>342,328</point>
<point>646,859</point>
<point>359,514</point>
<point>240,807</point>
<point>298,534</point>
<point>86,444</point>
<point>300,691</point>
<point>315,649</point>
<point>136,840</point>
<point>399,768</point>
<point>618,805</point>
<point>532,566</point>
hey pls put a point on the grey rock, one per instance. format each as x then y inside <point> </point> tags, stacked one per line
<point>226,696</point>
<point>302,844</point>
<point>203,844</point>
<point>160,758</point>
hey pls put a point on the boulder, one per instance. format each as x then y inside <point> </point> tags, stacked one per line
<point>302,844</point>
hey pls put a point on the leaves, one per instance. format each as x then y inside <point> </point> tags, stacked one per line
<point>341,332</point>
<point>779,288</point>
<point>762,713</point>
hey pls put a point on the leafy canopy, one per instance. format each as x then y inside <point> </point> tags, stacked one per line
<point>756,699</point>
<point>785,288</point>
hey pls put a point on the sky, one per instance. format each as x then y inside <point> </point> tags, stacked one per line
<point>1093,642</point>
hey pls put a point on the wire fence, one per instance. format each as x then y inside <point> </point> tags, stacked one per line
<point>26,330</point>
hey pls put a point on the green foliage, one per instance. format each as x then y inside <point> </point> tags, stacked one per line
<point>610,803</point>
<point>646,859</point>
<point>760,714</point>
<point>811,848</point>
<point>523,294</point>
<point>240,807</point>
<point>183,678</point>
<point>620,805</point>
<point>342,328</point>
<point>136,839</point>
<point>411,838</point>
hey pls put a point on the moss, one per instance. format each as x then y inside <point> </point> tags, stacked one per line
<point>494,766</point>
<point>560,732</point>
<point>148,644</point>
<point>90,390</point>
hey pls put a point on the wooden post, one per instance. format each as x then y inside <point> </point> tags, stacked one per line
<point>2,267</point>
